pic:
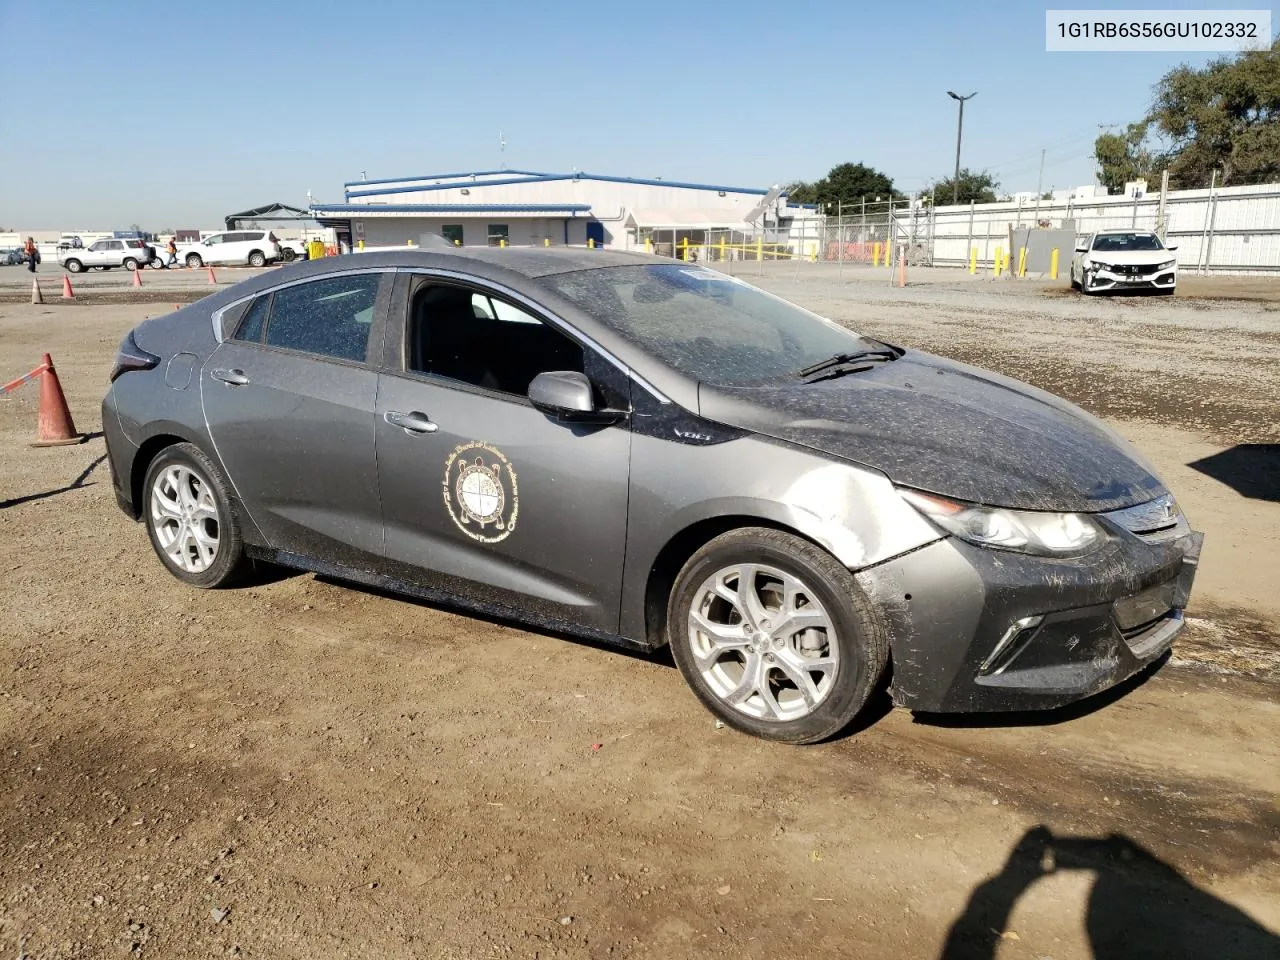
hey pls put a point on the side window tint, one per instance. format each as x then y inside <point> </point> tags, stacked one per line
<point>330,317</point>
<point>254,320</point>
<point>468,336</point>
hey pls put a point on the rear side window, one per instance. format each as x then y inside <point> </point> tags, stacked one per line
<point>331,318</point>
<point>255,319</point>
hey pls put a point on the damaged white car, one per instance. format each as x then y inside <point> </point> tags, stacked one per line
<point>1111,260</point>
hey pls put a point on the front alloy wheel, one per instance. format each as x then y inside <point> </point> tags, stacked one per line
<point>774,636</point>
<point>189,518</point>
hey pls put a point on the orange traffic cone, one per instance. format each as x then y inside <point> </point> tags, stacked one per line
<point>36,295</point>
<point>212,278</point>
<point>54,426</point>
<point>137,278</point>
<point>67,292</point>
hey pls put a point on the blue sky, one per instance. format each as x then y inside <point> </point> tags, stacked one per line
<point>238,104</point>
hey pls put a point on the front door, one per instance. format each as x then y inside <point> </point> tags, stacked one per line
<point>483,495</point>
<point>289,401</point>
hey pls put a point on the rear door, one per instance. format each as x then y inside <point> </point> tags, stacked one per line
<point>484,495</point>
<point>289,402</point>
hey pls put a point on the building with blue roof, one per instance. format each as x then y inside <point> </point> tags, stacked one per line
<point>536,208</point>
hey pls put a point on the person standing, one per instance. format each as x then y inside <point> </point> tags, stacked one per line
<point>32,252</point>
<point>172,247</point>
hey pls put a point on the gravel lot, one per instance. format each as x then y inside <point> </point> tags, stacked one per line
<point>301,769</point>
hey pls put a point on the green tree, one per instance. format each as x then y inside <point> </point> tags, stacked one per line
<point>979,186</point>
<point>1225,115</point>
<point>845,183</point>
<point>1124,156</point>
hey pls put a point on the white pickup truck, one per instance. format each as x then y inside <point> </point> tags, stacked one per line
<point>126,252</point>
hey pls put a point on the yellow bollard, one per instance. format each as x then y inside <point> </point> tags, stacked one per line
<point>999,262</point>
<point>362,246</point>
<point>648,244</point>
<point>684,248</point>
<point>502,242</point>
<point>759,249</point>
<point>1053,264</point>
<point>875,254</point>
<point>546,241</point>
<point>722,257</point>
<point>973,260</point>
<point>1022,262</point>
<point>591,243</point>
<point>457,243</point>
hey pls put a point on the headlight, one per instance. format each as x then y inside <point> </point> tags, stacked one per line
<point>1098,265</point>
<point>1167,265</point>
<point>1043,534</point>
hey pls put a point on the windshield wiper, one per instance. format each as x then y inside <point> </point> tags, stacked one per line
<point>843,363</point>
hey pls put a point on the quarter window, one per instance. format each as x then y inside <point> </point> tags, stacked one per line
<point>255,319</point>
<point>475,338</point>
<point>330,317</point>
<point>499,234</point>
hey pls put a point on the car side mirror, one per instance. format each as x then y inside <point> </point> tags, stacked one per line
<point>1174,247</point>
<point>1082,248</point>
<point>562,392</point>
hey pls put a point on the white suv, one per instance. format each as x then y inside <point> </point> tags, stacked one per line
<point>256,248</point>
<point>124,252</point>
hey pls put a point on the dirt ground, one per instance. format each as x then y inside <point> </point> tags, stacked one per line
<point>301,769</point>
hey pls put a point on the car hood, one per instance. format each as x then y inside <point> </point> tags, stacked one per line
<point>951,429</point>
<point>1131,257</point>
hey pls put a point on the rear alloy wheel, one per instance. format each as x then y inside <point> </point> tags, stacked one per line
<point>130,264</point>
<point>73,266</point>
<point>774,636</point>
<point>256,259</point>
<point>189,518</point>
<point>193,260</point>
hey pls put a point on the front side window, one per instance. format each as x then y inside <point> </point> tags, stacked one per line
<point>709,326</point>
<point>476,338</point>
<point>216,238</point>
<point>453,233</point>
<point>331,317</point>
<point>99,246</point>
<point>499,234</point>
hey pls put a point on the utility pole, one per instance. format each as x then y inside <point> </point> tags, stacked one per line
<point>1039,187</point>
<point>955,183</point>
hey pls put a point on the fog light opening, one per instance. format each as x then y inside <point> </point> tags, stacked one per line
<point>1013,642</point>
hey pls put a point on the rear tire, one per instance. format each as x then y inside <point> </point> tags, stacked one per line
<point>256,259</point>
<point>193,261</point>
<point>130,264</point>
<point>745,653</point>
<point>192,527</point>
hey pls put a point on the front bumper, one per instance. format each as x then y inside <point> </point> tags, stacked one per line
<point>977,630</point>
<point>1100,280</point>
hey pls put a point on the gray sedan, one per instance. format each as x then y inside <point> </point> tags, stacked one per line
<point>652,453</point>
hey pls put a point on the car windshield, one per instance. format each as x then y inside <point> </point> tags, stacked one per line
<point>1127,242</point>
<point>708,325</point>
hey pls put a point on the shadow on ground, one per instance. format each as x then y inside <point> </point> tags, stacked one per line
<point>75,484</point>
<point>1250,469</point>
<point>1138,907</point>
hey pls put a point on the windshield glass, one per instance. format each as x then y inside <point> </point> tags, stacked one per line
<point>1126,242</point>
<point>709,326</point>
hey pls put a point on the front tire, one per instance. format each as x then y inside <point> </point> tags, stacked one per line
<point>74,266</point>
<point>192,527</point>
<point>256,259</point>
<point>193,261</point>
<point>774,636</point>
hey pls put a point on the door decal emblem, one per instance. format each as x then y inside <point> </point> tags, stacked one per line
<point>480,491</point>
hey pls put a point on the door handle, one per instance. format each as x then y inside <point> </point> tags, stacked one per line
<point>232,378</point>
<point>412,422</point>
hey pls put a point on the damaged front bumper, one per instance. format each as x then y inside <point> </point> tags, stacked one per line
<point>976,629</point>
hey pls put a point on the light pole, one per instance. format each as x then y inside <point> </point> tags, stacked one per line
<point>955,182</point>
